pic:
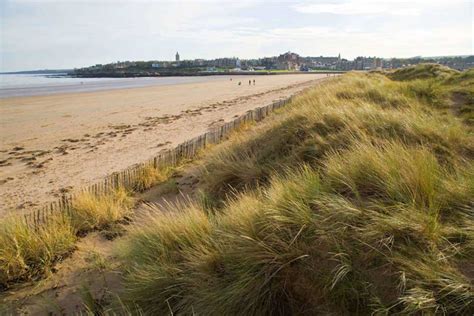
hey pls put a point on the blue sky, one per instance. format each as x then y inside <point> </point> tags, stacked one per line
<point>39,34</point>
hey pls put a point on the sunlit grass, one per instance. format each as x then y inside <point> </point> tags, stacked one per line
<point>26,252</point>
<point>150,176</point>
<point>356,199</point>
<point>90,211</point>
<point>353,108</point>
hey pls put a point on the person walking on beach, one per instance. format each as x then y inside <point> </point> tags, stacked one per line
<point>240,83</point>
<point>250,82</point>
<point>253,81</point>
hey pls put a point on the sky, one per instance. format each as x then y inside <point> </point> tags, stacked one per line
<point>58,34</point>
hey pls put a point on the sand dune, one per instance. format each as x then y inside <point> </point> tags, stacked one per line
<point>50,144</point>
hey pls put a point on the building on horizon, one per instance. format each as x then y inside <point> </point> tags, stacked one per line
<point>288,61</point>
<point>378,63</point>
<point>177,56</point>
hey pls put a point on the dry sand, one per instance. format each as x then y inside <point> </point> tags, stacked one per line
<point>51,144</point>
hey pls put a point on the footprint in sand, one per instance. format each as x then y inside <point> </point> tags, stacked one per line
<point>71,140</point>
<point>28,158</point>
<point>5,162</point>
<point>3,181</point>
<point>163,144</point>
<point>62,149</point>
<point>42,164</point>
<point>120,126</point>
<point>216,123</point>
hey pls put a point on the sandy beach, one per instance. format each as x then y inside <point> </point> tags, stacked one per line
<point>51,144</point>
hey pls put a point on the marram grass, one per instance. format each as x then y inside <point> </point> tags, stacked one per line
<point>91,211</point>
<point>28,253</point>
<point>298,248</point>
<point>356,199</point>
<point>353,108</point>
<point>150,176</point>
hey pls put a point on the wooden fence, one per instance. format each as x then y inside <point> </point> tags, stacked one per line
<point>127,178</point>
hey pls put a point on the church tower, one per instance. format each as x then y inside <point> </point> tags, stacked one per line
<point>177,56</point>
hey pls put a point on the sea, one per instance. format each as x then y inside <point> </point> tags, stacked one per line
<point>20,85</point>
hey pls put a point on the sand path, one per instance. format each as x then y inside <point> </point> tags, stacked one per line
<point>50,144</point>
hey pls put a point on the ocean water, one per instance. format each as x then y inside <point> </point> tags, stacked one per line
<point>18,85</point>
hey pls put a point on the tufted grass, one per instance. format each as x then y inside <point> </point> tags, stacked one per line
<point>356,199</point>
<point>90,211</point>
<point>27,253</point>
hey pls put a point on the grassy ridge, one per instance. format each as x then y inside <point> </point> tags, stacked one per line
<point>441,87</point>
<point>356,199</point>
<point>422,71</point>
<point>356,108</point>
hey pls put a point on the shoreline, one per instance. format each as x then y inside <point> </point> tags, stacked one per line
<point>52,85</point>
<point>68,85</point>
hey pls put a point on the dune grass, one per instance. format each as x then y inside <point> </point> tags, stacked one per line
<point>150,176</point>
<point>441,87</point>
<point>90,211</point>
<point>298,248</point>
<point>26,253</point>
<point>355,108</point>
<point>356,199</point>
<point>422,71</point>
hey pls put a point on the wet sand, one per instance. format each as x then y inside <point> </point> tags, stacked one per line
<point>51,144</point>
<point>24,85</point>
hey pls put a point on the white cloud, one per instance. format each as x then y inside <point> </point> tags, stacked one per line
<point>354,8</point>
<point>372,7</point>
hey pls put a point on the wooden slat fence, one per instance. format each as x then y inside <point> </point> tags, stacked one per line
<point>126,178</point>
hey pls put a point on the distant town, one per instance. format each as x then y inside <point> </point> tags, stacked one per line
<point>287,62</point>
